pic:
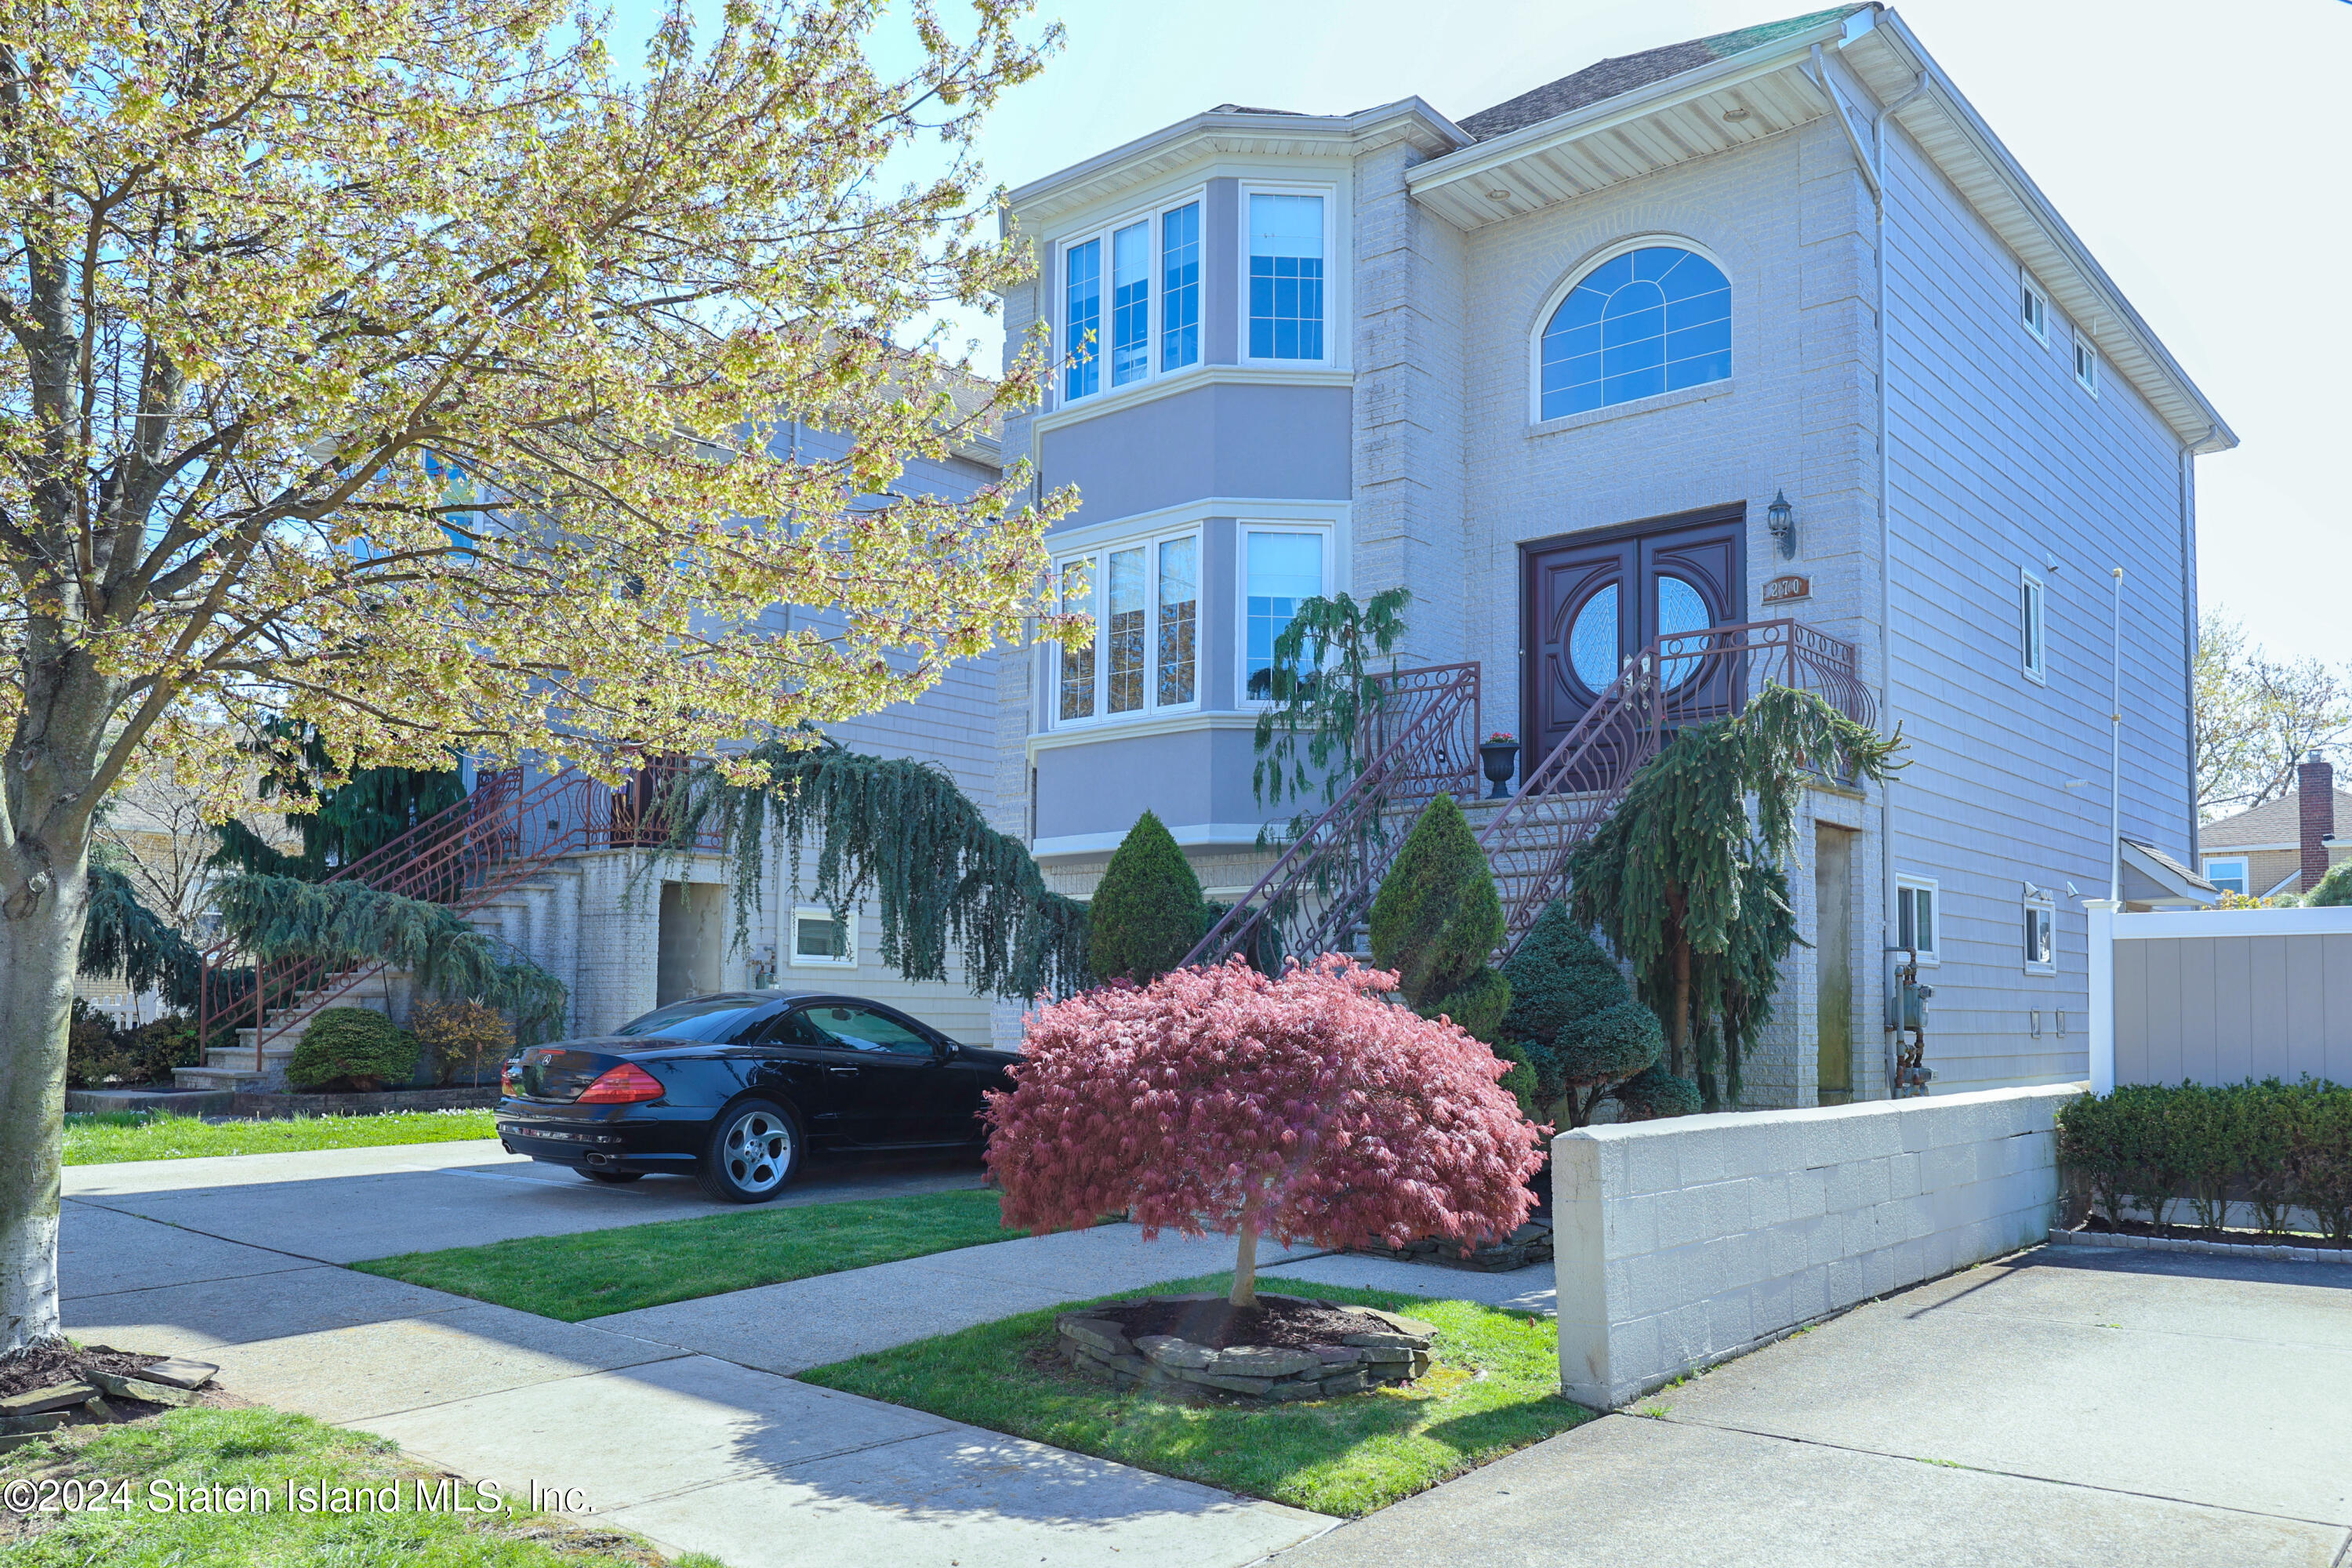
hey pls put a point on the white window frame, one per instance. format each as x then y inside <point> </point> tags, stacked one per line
<point>2086,363</point>
<point>1241,532</point>
<point>1330,195</point>
<point>1096,559</point>
<point>795,959</point>
<point>1153,216</point>
<point>2039,327</point>
<point>2245,865</point>
<point>1905,882</point>
<point>2041,903</point>
<point>2033,627</point>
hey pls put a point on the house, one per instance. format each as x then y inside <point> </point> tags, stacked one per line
<point>2284,846</point>
<point>1759,351</point>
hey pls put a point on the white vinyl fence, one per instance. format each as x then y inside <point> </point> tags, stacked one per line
<point>2221,997</point>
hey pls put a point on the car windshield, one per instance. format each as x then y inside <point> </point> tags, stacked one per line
<point>708,1018</point>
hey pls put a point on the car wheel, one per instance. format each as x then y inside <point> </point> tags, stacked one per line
<point>753,1154</point>
<point>614,1177</point>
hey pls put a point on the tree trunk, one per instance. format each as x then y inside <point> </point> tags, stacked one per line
<point>1244,1292</point>
<point>40,943</point>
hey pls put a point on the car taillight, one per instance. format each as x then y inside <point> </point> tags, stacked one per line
<point>622,1085</point>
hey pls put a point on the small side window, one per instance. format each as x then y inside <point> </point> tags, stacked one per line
<point>2033,306</point>
<point>819,940</point>
<point>2041,937</point>
<point>1915,916</point>
<point>2087,363</point>
<point>2032,643</point>
<point>2228,875</point>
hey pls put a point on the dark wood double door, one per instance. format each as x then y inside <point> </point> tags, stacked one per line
<point>1589,602</point>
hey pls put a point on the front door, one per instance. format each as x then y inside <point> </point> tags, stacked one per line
<point>1591,602</point>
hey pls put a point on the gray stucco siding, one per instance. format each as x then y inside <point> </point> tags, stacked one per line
<point>2000,463</point>
<point>1192,779</point>
<point>1268,442</point>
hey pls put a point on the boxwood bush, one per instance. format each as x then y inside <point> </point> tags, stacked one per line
<point>2179,1154</point>
<point>357,1047</point>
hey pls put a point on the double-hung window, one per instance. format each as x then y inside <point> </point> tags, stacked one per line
<point>2227,874</point>
<point>1286,297</point>
<point>1915,916</point>
<point>1282,568</point>
<point>2033,654</point>
<point>1145,599</point>
<point>1130,302</point>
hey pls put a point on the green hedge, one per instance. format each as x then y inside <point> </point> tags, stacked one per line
<point>2181,1153</point>
<point>354,1046</point>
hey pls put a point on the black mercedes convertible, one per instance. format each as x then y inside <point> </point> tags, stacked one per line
<point>734,1090</point>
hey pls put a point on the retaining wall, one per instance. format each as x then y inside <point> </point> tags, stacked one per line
<point>1681,1242</point>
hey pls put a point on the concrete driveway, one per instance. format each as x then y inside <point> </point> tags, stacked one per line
<point>2074,1408</point>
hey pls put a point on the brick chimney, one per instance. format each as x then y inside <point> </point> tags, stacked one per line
<point>2316,798</point>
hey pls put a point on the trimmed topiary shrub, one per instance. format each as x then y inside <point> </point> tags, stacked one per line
<point>1437,918</point>
<point>1654,1092</point>
<point>2277,1147</point>
<point>1147,912</point>
<point>1580,1026</point>
<point>356,1048</point>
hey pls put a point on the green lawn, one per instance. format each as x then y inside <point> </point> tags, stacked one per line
<point>259,1448</point>
<point>101,1138</point>
<point>596,1272</point>
<point>1495,1388</point>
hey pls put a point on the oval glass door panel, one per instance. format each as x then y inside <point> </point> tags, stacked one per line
<point>1592,651</point>
<point>1681,608</point>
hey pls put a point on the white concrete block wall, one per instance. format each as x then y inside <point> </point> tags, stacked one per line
<point>1681,1242</point>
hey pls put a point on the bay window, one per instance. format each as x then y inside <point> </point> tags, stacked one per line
<point>1285,276</point>
<point>1124,258</point>
<point>1145,599</point>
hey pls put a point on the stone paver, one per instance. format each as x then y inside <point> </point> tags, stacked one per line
<point>343,1205</point>
<point>2110,1411</point>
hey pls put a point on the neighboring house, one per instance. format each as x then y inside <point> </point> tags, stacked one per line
<point>2283,845</point>
<point>1550,365</point>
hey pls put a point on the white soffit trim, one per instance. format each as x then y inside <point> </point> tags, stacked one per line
<point>1889,59</point>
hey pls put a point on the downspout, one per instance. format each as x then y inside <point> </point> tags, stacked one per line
<point>2188,628</point>
<point>1874,168</point>
<point>2116,755</point>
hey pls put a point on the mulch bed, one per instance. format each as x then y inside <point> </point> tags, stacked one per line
<point>2099,1223</point>
<point>78,1374</point>
<point>65,1364</point>
<point>1276,1323</point>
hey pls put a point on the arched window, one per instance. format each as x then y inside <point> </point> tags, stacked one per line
<point>1653,319</point>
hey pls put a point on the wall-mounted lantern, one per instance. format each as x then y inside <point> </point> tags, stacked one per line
<point>1783,521</point>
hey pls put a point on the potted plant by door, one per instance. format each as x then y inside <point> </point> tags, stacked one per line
<point>1499,754</point>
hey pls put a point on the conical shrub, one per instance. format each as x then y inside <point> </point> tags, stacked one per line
<point>1147,912</point>
<point>1437,918</point>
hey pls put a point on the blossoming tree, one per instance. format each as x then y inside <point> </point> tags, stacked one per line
<point>400,370</point>
<point>1304,1107</point>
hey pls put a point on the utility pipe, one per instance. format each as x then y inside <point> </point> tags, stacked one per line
<point>2116,755</point>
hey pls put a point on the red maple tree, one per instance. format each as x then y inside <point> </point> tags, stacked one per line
<point>1304,1107</point>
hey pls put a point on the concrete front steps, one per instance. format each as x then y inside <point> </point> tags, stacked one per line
<point>233,1067</point>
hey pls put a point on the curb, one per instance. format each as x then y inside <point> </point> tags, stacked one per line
<point>2268,1254</point>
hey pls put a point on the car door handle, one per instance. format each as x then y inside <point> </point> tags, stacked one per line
<point>843,1072</point>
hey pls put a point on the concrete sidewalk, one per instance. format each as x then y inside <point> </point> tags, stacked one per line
<point>696,1451</point>
<point>2065,1407</point>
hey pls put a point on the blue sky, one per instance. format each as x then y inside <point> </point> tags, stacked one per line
<point>2196,148</point>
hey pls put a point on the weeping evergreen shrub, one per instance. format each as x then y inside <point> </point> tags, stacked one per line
<point>354,1046</point>
<point>1437,918</point>
<point>121,936</point>
<point>1574,1017</point>
<point>1147,910</point>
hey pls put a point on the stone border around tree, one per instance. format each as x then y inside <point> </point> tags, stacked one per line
<point>1378,1357</point>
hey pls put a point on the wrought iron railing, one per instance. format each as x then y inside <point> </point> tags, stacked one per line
<point>1685,678</point>
<point>1423,741</point>
<point>499,836</point>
